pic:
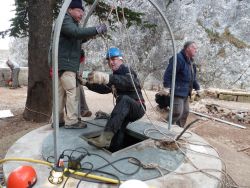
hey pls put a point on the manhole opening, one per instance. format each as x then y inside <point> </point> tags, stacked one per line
<point>119,142</point>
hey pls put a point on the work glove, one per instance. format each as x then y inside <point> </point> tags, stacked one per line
<point>101,29</point>
<point>96,77</point>
<point>165,92</point>
<point>81,80</point>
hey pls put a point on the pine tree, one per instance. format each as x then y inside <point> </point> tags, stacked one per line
<point>34,19</point>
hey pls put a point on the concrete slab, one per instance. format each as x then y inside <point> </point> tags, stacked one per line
<point>33,144</point>
<point>145,151</point>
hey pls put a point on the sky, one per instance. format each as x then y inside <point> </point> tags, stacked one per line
<point>6,13</point>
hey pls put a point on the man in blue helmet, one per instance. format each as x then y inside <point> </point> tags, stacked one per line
<point>71,37</point>
<point>129,106</point>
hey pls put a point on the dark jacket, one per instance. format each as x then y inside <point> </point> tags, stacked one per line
<point>185,77</point>
<point>121,80</point>
<point>70,44</point>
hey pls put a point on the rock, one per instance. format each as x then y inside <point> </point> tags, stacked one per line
<point>239,117</point>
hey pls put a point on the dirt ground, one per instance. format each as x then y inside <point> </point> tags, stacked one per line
<point>231,142</point>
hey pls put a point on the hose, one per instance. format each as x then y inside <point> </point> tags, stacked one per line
<point>27,160</point>
<point>91,176</point>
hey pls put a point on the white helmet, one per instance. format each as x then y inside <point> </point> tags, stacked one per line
<point>134,184</point>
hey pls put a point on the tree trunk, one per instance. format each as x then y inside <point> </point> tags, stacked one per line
<point>39,103</point>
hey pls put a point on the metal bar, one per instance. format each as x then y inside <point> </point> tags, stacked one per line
<point>217,119</point>
<point>56,36</point>
<point>78,84</point>
<point>90,12</point>
<point>55,42</point>
<point>174,63</point>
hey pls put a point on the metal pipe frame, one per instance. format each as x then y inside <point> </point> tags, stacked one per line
<point>174,62</point>
<point>55,43</point>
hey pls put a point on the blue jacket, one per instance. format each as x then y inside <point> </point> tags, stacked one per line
<point>185,78</point>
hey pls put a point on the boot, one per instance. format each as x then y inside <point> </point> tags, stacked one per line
<point>102,141</point>
<point>86,113</point>
<point>78,125</point>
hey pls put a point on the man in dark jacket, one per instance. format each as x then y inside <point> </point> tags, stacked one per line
<point>68,62</point>
<point>129,100</point>
<point>185,82</point>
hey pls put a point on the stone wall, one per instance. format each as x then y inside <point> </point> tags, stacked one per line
<point>229,95</point>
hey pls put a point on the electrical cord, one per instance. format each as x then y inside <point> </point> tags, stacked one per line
<point>86,153</point>
<point>64,184</point>
<point>81,172</point>
<point>224,183</point>
<point>27,160</point>
<point>92,176</point>
<point>111,164</point>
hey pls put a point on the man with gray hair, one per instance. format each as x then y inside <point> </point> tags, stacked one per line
<point>185,82</point>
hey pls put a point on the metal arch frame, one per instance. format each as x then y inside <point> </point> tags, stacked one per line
<point>55,43</point>
<point>174,62</point>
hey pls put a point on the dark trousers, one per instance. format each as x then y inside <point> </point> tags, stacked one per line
<point>125,111</point>
<point>83,103</point>
<point>14,76</point>
<point>180,110</point>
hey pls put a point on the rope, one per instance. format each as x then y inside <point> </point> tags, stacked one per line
<point>34,111</point>
<point>133,60</point>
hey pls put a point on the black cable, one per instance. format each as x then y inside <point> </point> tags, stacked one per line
<point>184,130</point>
<point>92,166</point>
<point>108,163</point>
<point>84,152</point>
<point>65,182</point>
<point>83,149</point>
<point>76,150</point>
<point>54,157</point>
<point>128,174</point>
<point>49,158</point>
<point>111,164</point>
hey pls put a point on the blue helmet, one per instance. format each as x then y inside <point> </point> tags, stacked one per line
<point>113,52</point>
